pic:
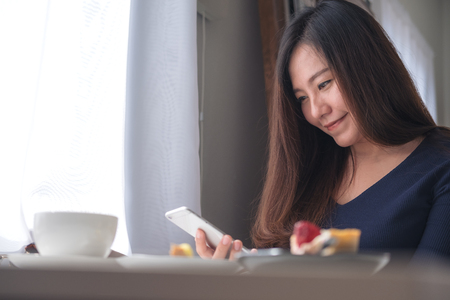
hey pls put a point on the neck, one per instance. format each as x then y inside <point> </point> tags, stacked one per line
<point>368,151</point>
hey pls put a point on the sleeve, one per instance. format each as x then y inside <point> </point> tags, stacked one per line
<point>435,242</point>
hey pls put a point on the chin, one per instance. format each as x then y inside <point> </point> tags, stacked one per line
<point>348,138</point>
<point>343,145</point>
<point>341,142</point>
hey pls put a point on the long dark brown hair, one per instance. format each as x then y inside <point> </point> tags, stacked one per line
<point>305,166</point>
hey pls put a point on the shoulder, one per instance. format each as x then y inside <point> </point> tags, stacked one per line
<point>435,146</point>
<point>434,156</point>
<point>428,165</point>
<point>439,134</point>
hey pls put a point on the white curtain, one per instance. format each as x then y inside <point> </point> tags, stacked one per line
<point>414,49</point>
<point>64,104</point>
<point>20,61</point>
<point>162,135</point>
<point>63,70</point>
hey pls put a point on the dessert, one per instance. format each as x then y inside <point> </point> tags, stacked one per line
<point>307,238</point>
<point>181,250</point>
<point>305,232</point>
<point>31,248</point>
<point>345,240</point>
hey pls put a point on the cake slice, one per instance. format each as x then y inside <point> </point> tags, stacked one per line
<point>181,250</point>
<point>344,241</point>
<point>310,239</point>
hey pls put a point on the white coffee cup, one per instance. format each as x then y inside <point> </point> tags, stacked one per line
<point>74,233</point>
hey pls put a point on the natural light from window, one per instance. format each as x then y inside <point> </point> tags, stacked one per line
<point>63,79</point>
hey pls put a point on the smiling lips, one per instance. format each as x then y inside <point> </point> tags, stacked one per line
<point>332,125</point>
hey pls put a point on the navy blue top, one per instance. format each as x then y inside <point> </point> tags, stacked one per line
<point>408,209</point>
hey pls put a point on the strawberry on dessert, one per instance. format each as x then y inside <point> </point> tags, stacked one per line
<point>305,232</point>
<point>306,239</point>
<point>310,239</point>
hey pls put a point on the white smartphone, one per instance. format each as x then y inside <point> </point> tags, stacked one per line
<point>189,221</point>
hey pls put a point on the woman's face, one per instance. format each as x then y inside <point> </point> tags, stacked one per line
<point>321,100</point>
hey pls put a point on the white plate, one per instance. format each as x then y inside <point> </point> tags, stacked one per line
<point>178,265</point>
<point>285,264</point>
<point>81,263</point>
<point>135,263</point>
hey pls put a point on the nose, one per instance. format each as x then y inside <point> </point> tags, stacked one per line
<point>319,107</point>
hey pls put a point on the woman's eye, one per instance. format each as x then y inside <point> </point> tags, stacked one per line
<point>301,99</point>
<point>324,84</point>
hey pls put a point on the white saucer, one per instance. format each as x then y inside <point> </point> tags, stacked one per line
<point>137,263</point>
<point>81,263</point>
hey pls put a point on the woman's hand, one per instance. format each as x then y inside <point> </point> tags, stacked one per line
<point>222,249</point>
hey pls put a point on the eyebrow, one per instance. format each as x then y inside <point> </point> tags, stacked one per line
<point>317,74</point>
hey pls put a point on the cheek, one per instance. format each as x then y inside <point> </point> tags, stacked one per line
<point>338,99</point>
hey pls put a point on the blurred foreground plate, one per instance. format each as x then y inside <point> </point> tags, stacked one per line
<point>178,265</point>
<point>277,262</point>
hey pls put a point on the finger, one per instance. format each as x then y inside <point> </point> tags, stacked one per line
<point>223,247</point>
<point>254,250</point>
<point>200,245</point>
<point>237,247</point>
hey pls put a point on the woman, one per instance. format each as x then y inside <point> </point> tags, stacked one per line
<point>351,142</point>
